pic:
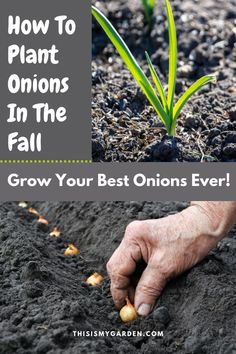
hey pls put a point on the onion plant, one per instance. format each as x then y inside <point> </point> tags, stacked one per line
<point>148,6</point>
<point>163,104</point>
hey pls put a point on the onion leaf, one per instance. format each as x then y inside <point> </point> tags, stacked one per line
<point>148,6</point>
<point>188,94</point>
<point>132,65</point>
<point>172,58</point>
<point>164,107</point>
<point>157,82</point>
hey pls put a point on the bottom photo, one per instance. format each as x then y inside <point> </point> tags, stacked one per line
<point>117,277</point>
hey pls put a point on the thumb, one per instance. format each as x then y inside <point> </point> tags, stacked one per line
<point>148,290</point>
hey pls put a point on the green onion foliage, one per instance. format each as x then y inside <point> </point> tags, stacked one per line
<point>148,6</point>
<point>164,106</point>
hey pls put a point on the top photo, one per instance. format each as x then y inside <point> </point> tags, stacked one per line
<point>164,81</point>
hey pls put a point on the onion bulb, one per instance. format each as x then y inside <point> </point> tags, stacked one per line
<point>42,220</point>
<point>71,250</point>
<point>23,204</point>
<point>55,232</point>
<point>128,312</point>
<point>94,279</point>
<point>33,211</point>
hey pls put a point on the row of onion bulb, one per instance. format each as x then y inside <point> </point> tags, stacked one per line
<point>128,312</point>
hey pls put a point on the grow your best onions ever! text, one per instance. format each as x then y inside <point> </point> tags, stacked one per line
<point>101,181</point>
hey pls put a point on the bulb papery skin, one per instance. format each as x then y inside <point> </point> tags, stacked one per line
<point>55,232</point>
<point>94,279</point>
<point>34,211</point>
<point>42,220</point>
<point>128,312</point>
<point>71,250</point>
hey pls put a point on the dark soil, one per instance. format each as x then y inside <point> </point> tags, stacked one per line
<point>125,127</point>
<point>44,297</point>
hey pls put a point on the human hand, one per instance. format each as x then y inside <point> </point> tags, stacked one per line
<point>168,246</point>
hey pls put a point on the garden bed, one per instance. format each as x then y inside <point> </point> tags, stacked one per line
<point>124,126</point>
<point>44,297</point>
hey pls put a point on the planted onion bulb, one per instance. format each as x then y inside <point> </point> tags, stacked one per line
<point>23,204</point>
<point>71,250</point>
<point>33,211</point>
<point>42,220</point>
<point>55,232</point>
<point>94,279</point>
<point>128,312</point>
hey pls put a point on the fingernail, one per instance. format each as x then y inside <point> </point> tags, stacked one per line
<point>144,309</point>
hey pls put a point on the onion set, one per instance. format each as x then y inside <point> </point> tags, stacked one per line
<point>71,250</point>
<point>94,279</point>
<point>34,212</point>
<point>42,220</point>
<point>23,204</point>
<point>55,232</point>
<point>128,313</point>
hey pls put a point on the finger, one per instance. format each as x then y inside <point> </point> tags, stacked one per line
<point>119,295</point>
<point>148,290</point>
<point>120,267</point>
<point>119,289</point>
<point>131,293</point>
